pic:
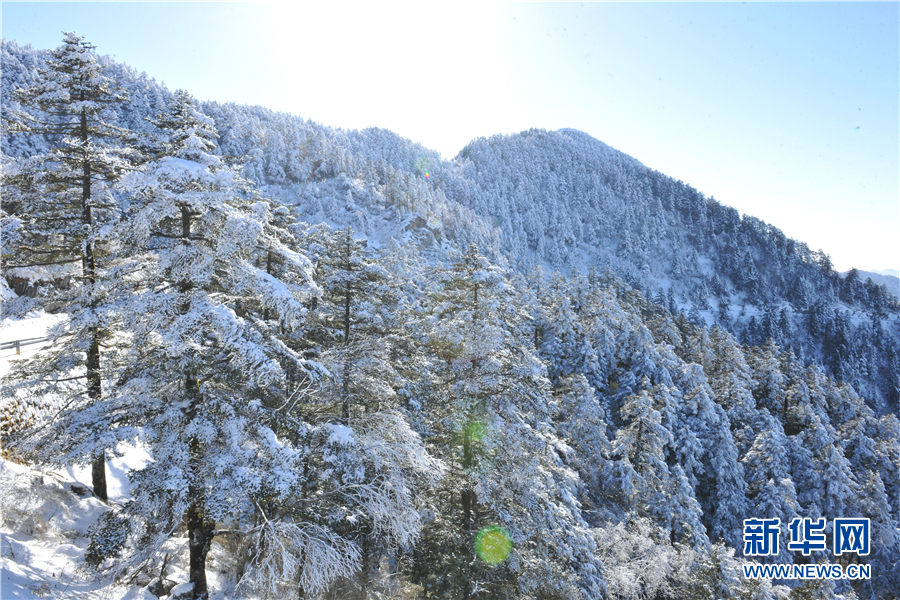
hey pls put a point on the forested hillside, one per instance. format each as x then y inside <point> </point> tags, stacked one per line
<point>540,370</point>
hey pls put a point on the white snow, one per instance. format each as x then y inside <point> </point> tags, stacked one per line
<point>44,532</point>
<point>340,434</point>
<point>127,458</point>
<point>182,589</point>
<point>42,537</point>
<point>34,325</point>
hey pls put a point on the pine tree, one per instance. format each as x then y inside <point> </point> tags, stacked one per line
<point>769,486</point>
<point>57,204</point>
<point>580,422</point>
<point>873,503</point>
<point>356,324</point>
<point>564,345</point>
<point>216,393</point>
<point>465,336</point>
<point>490,407</point>
<point>190,244</point>
<point>644,476</point>
<point>769,390</point>
<point>731,381</point>
<point>714,470</point>
<point>356,333</point>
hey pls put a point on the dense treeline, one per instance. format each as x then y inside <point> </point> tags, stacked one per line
<point>346,357</point>
<point>562,196</point>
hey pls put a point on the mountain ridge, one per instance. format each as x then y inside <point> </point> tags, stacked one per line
<point>547,323</point>
<point>561,200</point>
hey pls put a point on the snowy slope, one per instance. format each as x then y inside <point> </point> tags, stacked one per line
<point>28,331</point>
<point>558,200</point>
<point>43,533</point>
<point>47,516</point>
<point>46,519</point>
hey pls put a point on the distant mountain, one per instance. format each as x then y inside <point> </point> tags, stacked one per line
<point>614,371</point>
<point>565,200</point>
<point>558,200</point>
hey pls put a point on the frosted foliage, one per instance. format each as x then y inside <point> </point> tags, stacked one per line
<point>582,424</point>
<point>384,443</point>
<point>67,114</point>
<point>289,555</point>
<point>637,563</point>
<point>768,474</point>
<point>344,371</point>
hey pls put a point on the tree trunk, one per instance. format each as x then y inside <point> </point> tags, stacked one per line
<point>637,443</point>
<point>348,296</point>
<point>98,466</point>
<point>200,528</point>
<point>369,569</point>
<point>345,390</point>
<point>345,383</point>
<point>269,272</point>
<point>200,536</point>
<point>98,475</point>
<point>467,494</point>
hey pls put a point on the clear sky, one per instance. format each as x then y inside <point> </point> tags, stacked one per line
<point>789,112</point>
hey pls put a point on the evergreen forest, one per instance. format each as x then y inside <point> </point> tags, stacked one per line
<point>539,370</point>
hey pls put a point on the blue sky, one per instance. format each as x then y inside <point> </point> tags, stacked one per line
<point>786,111</point>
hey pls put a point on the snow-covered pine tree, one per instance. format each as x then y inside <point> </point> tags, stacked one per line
<point>732,383</point>
<point>767,466</point>
<point>356,324</point>
<point>355,332</point>
<point>872,446</point>
<point>184,248</point>
<point>219,395</point>
<point>462,334</point>
<point>580,423</point>
<point>706,449</point>
<point>639,451</point>
<point>769,389</point>
<point>563,344</point>
<point>199,380</point>
<point>490,412</point>
<point>56,205</point>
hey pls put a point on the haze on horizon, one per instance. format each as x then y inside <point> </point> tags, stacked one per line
<point>788,112</point>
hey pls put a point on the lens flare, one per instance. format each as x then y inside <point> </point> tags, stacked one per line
<point>476,430</point>
<point>493,545</point>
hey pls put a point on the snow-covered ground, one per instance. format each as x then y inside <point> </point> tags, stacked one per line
<point>44,531</point>
<point>33,326</point>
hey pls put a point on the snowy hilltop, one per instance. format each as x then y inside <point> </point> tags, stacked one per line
<point>262,358</point>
